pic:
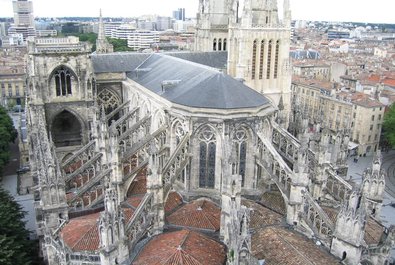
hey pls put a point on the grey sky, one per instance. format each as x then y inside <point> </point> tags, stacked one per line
<point>332,10</point>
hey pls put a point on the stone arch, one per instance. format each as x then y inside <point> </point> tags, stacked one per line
<point>158,120</point>
<point>145,108</point>
<point>267,129</point>
<point>66,129</point>
<point>108,99</point>
<point>63,81</point>
<point>177,131</point>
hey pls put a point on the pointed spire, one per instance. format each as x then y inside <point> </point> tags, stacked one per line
<point>281,103</point>
<point>287,13</point>
<point>101,35</point>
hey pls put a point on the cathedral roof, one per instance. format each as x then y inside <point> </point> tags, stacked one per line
<point>119,62</point>
<point>201,214</point>
<point>262,216</point>
<point>213,59</point>
<point>82,233</point>
<point>173,201</point>
<point>194,85</point>
<point>278,245</point>
<point>181,247</point>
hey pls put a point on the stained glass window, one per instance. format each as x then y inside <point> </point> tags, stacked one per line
<point>207,159</point>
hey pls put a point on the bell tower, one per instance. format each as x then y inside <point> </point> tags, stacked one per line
<point>212,26</point>
<point>259,48</point>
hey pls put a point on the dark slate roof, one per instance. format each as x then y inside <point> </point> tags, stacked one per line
<point>117,62</point>
<point>304,54</point>
<point>213,59</point>
<point>197,85</point>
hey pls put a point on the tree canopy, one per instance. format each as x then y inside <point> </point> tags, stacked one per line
<point>15,248</point>
<point>389,126</point>
<point>8,134</point>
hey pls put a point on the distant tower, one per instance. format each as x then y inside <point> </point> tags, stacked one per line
<point>259,48</point>
<point>23,19</point>
<point>212,26</point>
<point>102,44</point>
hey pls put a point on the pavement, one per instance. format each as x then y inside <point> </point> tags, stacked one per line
<point>10,183</point>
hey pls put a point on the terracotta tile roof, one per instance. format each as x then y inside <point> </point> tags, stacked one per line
<point>173,201</point>
<point>373,232</point>
<point>81,234</point>
<point>134,201</point>
<point>182,248</point>
<point>274,201</point>
<point>277,245</point>
<point>139,186</point>
<point>262,216</point>
<point>202,214</point>
<point>331,212</point>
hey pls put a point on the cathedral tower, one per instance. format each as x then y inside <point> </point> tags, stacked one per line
<point>259,48</point>
<point>212,25</point>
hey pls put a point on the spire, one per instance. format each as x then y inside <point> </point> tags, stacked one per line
<point>102,45</point>
<point>101,35</point>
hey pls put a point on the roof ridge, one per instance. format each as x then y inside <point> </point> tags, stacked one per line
<point>185,238</point>
<point>189,62</point>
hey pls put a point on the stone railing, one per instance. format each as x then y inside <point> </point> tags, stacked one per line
<point>317,219</point>
<point>81,156</point>
<point>337,187</point>
<point>122,124</point>
<point>285,143</point>
<point>117,110</point>
<point>177,162</point>
<point>141,221</point>
<point>269,159</point>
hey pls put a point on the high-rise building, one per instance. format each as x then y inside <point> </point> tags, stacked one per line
<point>23,19</point>
<point>179,14</point>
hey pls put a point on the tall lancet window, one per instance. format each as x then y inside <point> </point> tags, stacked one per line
<point>63,79</point>
<point>219,44</point>
<point>207,156</point>
<point>261,59</point>
<point>253,67</point>
<point>224,47</point>
<point>215,45</point>
<point>240,143</point>
<point>276,59</point>
<point>269,60</point>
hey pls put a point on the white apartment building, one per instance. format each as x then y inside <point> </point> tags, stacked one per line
<point>142,39</point>
<point>123,31</point>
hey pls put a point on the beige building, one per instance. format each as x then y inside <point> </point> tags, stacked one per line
<point>12,89</point>
<point>336,110</point>
<point>313,69</point>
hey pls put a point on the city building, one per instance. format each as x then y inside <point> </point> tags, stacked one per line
<point>338,34</point>
<point>142,39</point>
<point>179,14</point>
<point>23,19</point>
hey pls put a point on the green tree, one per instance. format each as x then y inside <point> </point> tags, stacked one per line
<point>119,45</point>
<point>7,134</point>
<point>389,126</point>
<point>15,248</point>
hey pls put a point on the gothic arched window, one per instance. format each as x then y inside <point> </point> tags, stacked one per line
<point>276,59</point>
<point>63,79</point>
<point>219,44</point>
<point>108,99</point>
<point>253,59</point>
<point>224,46</point>
<point>215,45</point>
<point>269,60</point>
<point>207,157</point>
<point>240,142</point>
<point>261,57</point>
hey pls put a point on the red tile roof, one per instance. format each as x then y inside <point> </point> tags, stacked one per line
<point>262,216</point>
<point>82,233</point>
<point>182,248</point>
<point>173,201</point>
<point>274,201</point>
<point>277,245</point>
<point>201,214</point>
<point>373,232</point>
<point>139,186</point>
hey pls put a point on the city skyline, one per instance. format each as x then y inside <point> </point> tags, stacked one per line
<point>335,10</point>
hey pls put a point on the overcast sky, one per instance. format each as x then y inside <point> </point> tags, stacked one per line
<point>331,10</point>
